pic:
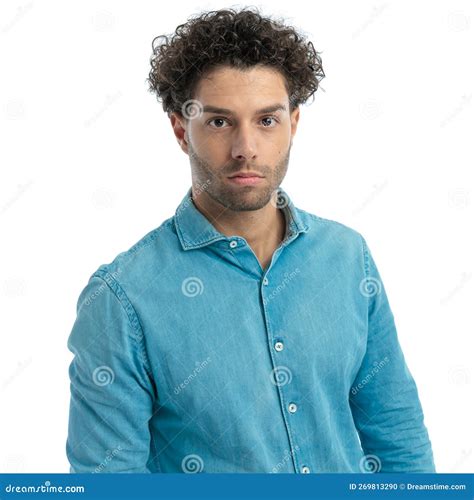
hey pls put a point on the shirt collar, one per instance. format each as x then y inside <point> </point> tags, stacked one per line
<point>195,230</point>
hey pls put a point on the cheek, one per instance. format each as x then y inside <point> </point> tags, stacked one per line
<point>212,146</point>
<point>278,139</point>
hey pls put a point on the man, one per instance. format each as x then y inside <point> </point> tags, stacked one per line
<point>243,334</point>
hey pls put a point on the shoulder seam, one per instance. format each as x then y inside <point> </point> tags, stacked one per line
<point>326,221</point>
<point>147,240</point>
<point>365,255</point>
<point>119,292</point>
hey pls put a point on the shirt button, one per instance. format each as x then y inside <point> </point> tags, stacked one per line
<point>233,244</point>
<point>265,281</point>
<point>292,407</point>
<point>279,346</point>
<point>305,469</point>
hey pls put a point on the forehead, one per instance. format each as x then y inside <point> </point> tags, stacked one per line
<point>225,86</point>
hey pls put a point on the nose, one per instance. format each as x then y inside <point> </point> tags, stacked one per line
<point>244,146</point>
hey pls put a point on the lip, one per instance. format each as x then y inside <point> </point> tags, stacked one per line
<point>246,179</point>
<point>246,174</point>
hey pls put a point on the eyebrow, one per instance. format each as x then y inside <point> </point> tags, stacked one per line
<point>225,111</point>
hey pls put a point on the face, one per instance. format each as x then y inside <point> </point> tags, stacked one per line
<point>239,122</point>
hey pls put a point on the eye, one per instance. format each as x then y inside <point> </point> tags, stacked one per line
<point>220,121</point>
<point>270,118</point>
<point>216,120</point>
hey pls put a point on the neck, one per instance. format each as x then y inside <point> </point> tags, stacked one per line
<point>263,229</point>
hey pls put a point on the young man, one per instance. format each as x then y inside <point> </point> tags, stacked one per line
<point>243,334</point>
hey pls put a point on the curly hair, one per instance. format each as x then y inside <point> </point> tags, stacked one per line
<point>240,39</point>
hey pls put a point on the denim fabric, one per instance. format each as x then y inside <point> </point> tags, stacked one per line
<point>188,357</point>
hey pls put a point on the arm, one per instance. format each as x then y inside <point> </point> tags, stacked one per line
<point>112,392</point>
<point>384,398</point>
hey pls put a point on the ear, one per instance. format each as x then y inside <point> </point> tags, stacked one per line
<point>179,124</point>
<point>294,118</point>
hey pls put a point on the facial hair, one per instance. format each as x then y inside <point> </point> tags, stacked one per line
<point>237,198</point>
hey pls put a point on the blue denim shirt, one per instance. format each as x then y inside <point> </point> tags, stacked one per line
<point>189,357</point>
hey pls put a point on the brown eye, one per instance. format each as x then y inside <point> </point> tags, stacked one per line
<point>216,120</point>
<point>270,118</point>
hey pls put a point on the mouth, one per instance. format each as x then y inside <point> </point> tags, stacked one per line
<point>246,179</point>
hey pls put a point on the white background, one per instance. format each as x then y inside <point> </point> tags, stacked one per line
<point>88,165</point>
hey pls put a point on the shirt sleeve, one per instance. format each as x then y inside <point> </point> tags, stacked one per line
<point>112,391</point>
<point>384,399</point>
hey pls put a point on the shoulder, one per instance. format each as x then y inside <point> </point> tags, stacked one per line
<point>142,258</point>
<point>332,232</point>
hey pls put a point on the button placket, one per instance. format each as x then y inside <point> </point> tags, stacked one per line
<point>291,407</point>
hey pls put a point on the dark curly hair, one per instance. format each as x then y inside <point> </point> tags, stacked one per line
<point>240,39</point>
